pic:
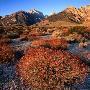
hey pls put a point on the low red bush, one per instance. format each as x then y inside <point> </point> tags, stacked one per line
<point>48,69</point>
<point>6,53</point>
<point>37,43</point>
<point>58,43</point>
<point>30,37</point>
<point>54,43</point>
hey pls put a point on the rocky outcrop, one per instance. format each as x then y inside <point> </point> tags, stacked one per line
<point>72,14</point>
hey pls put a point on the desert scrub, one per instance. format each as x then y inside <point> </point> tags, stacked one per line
<point>62,32</point>
<point>6,53</point>
<point>48,69</point>
<point>84,31</point>
<point>29,36</point>
<point>54,43</point>
<point>75,37</point>
<point>78,29</point>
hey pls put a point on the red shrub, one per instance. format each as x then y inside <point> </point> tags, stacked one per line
<point>38,43</point>
<point>54,43</point>
<point>34,36</point>
<point>6,53</point>
<point>28,36</point>
<point>58,43</point>
<point>47,69</point>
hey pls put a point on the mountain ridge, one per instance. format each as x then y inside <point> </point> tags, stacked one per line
<point>23,17</point>
<point>72,14</point>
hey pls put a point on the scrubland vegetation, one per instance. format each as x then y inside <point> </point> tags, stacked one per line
<point>47,63</point>
<point>48,69</point>
<point>6,53</point>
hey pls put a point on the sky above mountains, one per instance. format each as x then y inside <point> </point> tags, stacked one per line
<point>46,6</point>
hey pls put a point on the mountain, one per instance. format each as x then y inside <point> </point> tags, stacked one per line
<point>22,17</point>
<point>69,15</point>
<point>72,14</point>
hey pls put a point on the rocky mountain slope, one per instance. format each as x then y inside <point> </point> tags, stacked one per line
<point>69,16</point>
<point>72,14</point>
<point>23,17</point>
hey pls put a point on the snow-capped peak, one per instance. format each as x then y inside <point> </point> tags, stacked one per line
<point>33,11</point>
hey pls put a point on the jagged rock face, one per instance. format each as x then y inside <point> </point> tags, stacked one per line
<point>72,14</point>
<point>86,11</point>
<point>22,17</point>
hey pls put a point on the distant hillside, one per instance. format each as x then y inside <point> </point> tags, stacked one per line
<point>69,16</point>
<point>72,14</point>
<point>23,17</point>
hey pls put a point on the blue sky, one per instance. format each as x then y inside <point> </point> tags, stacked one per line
<point>46,6</point>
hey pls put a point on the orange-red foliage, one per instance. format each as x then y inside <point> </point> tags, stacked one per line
<point>54,43</point>
<point>33,36</point>
<point>6,53</point>
<point>28,36</point>
<point>48,69</point>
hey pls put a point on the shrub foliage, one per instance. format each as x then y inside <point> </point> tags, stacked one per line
<point>6,53</point>
<point>54,43</point>
<point>48,69</point>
